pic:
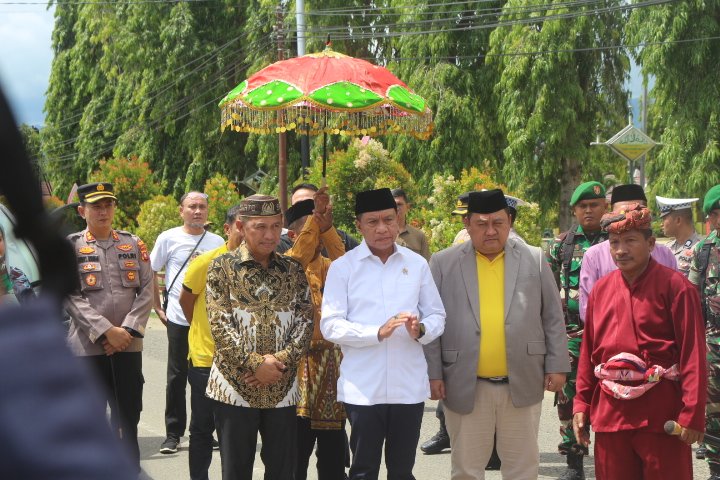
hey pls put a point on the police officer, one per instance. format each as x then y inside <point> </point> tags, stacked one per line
<point>111,309</point>
<point>565,254</point>
<point>677,222</point>
<point>705,273</point>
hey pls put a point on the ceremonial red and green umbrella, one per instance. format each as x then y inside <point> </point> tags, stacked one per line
<point>326,93</point>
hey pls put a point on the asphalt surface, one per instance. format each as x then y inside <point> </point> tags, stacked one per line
<point>427,467</point>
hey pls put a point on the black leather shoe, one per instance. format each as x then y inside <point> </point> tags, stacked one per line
<point>494,462</point>
<point>575,469</point>
<point>437,443</point>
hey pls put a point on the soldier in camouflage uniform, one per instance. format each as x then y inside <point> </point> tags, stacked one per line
<point>565,254</point>
<point>705,273</point>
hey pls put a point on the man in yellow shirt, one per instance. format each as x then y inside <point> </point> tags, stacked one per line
<point>201,349</point>
<point>504,343</point>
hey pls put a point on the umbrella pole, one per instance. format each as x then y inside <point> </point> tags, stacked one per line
<point>324,159</point>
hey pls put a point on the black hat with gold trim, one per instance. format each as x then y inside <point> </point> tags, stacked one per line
<point>462,204</point>
<point>92,192</point>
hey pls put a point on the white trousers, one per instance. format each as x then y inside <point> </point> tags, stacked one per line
<point>471,436</point>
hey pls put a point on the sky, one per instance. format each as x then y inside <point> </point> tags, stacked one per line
<point>26,55</point>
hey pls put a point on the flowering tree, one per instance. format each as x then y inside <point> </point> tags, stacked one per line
<point>133,182</point>
<point>157,215</point>
<point>222,194</point>
<point>365,165</point>
<point>441,226</point>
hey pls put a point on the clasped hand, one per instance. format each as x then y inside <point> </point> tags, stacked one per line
<point>269,372</point>
<point>411,322</point>
<point>116,340</point>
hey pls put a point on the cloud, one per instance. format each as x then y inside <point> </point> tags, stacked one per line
<point>25,58</point>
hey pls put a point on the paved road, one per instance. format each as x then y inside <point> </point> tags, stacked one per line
<point>428,467</point>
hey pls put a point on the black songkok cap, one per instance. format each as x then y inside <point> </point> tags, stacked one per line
<point>374,201</point>
<point>488,201</point>
<point>627,193</point>
<point>299,210</point>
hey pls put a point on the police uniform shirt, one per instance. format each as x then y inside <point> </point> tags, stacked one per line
<point>115,290</point>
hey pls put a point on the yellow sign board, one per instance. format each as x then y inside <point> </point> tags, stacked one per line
<point>631,143</point>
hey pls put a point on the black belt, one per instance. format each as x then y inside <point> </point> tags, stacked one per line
<point>496,380</point>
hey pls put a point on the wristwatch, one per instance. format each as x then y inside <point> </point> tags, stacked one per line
<point>421,328</point>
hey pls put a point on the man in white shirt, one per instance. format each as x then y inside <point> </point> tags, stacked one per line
<point>383,375</point>
<point>173,251</point>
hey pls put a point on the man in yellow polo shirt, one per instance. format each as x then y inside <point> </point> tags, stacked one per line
<point>504,343</point>
<point>202,348</point>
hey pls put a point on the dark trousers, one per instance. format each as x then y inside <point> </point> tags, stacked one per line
<point>202,423</point>
<point>237,429</point>
<point>330,451</point>
<point>177,373</point>
<point>121,376</point>
<point>396,425</point>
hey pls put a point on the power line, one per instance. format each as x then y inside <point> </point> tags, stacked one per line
<point>320,33</point>
<point>457,13</point>
<point>159,90</point>
<point>154,124</point>
<point>155,94</point>
<point>548,52</point>
<point>107,2</point>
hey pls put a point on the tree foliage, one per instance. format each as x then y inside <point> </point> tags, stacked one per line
<point>685,114</point>
<point>517,88</point>
<point>441,225</point>
<point>222,195</point>
<point>552,105</point>
<point>363,166</point>
<point>157,214</point>
<point>133,184</point>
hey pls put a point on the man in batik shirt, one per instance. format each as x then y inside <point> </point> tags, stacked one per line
<point>260,317</point>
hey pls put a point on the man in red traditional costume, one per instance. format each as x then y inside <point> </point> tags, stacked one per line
<point>642,361</point>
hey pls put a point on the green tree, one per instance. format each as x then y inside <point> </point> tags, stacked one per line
<point>133,182</point>
<point>552,104</point>
<point>157,214</point>
<point>446,67</point>
<point>363,166</point>
<point>222,194</point>
<point>144,79</point>
<point>441,225</point>
<point>685,114</point>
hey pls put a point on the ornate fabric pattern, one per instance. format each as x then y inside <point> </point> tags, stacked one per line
<point>253,312</point>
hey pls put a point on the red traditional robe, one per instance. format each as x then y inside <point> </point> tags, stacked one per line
<point>659,319</point>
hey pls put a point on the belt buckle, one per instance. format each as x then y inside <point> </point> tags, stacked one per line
<point>495,380</point>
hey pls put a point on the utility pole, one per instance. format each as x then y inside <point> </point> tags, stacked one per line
<point>631,164</point>
<point>644,129</point>
<point>304,139</point>
<point>282,138</point>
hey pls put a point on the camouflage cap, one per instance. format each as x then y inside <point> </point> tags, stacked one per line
<point>259,206</point>
<point>712,200</point>
<point>587,191</point>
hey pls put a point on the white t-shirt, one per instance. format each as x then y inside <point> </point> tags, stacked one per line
<point>172,248</point>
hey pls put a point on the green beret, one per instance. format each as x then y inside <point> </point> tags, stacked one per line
<point>712,200</point>
<point>587,191</point>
